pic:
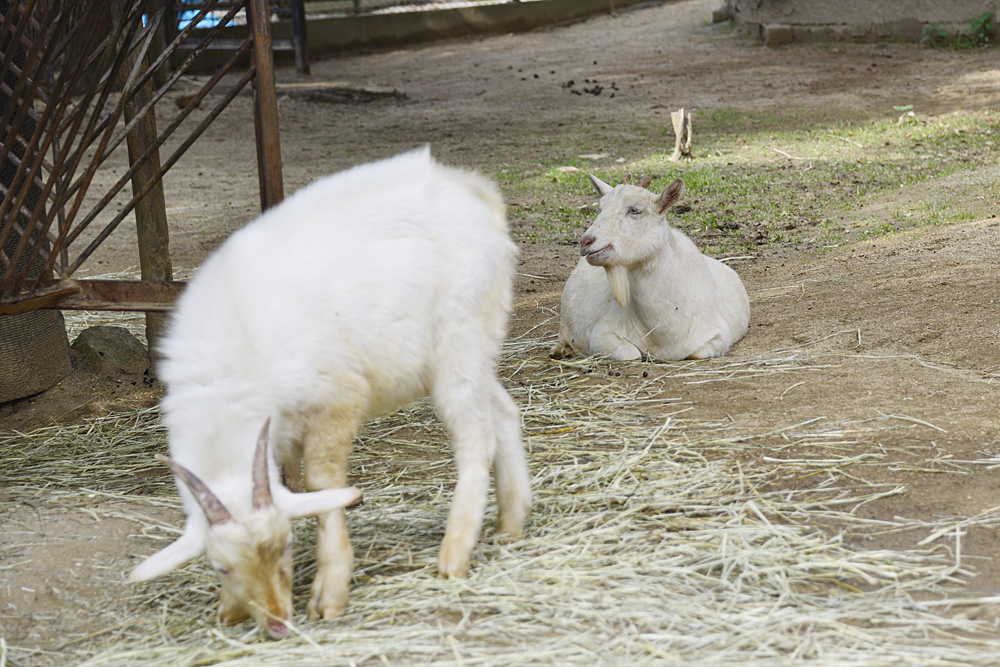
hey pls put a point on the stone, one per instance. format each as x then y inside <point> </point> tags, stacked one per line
<point>111,350</point>
<point>721,14</point>
<point>776,34</point>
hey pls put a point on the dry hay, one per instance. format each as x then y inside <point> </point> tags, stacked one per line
<point>650,543</point>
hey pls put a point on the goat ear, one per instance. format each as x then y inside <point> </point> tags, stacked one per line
<point>670,196</point>
<point>299,505</point>
<point>186,548</point>
<point>599,185</point>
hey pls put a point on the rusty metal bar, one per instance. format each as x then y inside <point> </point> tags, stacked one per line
<point>40,297</point>
<point>10,92</point>
<point>77,124</point>
<point>8,21</point>
<point>34,144</point>
<point>166,166</point>
<point>158,96</point>
<point>114,71</point>
<point>92,61</point>
<point>13,116</point>
<point>141,41</point>
<point>6,192</point>
<point>15,39</point>
<point>17,162</point>
<point>185,112</point>
<point>21,230</point>
<point>111,226</point>
<point>74,162</point>
<point>68,81</point>
<point>161,59</point>
<point>148,295</point>
<point>130,295</point>
<point>19,181</point>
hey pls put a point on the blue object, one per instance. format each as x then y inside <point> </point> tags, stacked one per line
<point>185,18</point>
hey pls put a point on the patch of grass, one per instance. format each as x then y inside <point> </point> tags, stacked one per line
<point>883,229</point>
<point>766,182</point>
<point>547,206</point>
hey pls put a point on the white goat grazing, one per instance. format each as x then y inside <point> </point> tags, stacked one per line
<point>363,291</point>
<point>642,288</point>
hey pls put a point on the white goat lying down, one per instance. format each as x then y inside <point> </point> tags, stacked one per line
<point>642,288</point>
<point>365,290</point>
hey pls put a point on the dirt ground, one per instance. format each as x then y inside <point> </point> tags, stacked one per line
<point>892,339</point>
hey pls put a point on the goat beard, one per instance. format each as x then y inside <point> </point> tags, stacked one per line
<point>618,279</point>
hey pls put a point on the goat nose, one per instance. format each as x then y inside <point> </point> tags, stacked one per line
<point>277,628</point>
<point>585,244</point>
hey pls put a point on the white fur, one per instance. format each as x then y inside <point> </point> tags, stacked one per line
<point>365,290</point>
<point>642,288</point>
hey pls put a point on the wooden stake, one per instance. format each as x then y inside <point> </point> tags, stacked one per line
<point>265,105</point>
<point>151,210</point>
<point>682,134</point>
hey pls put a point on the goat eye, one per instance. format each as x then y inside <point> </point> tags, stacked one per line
<point>633,210</point>
<point>220,569</point>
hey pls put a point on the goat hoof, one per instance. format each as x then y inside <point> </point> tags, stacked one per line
<point>561,350</point>
<point>451,566</point>
<point>509,531</point>
<point>326,602</point>
<point>510,525</point>
<point>508,536</point>
<point>318,610</point>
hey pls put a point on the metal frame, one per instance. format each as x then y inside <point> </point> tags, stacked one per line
<point>79,122</point>
<point>283,10</point>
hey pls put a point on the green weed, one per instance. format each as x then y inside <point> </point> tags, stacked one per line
<point>934,35</point>
<point>978,34</point>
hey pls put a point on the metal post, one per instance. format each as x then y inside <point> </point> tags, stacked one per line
<point>299,36</point>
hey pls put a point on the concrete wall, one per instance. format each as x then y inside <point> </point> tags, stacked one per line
<point>379,30</point>
<point>327,35</point>
<point>784,21</point>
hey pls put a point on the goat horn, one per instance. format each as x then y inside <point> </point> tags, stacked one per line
<point>645,181</point>
<point>261,484</point>
<point>214,510</point>
<point>626,180</point>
